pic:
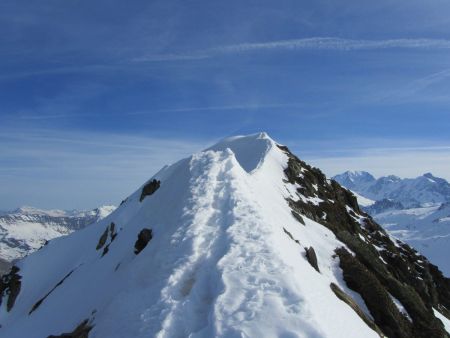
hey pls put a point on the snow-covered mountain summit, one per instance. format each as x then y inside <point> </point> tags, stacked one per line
<point>26,229</point>
<point>355,179</point>
<point>240,240</point>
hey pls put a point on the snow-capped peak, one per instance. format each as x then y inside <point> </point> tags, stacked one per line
<point>410,192</point>
<point>28,210</point>
<point>249,150</point>
<point>240,240</point>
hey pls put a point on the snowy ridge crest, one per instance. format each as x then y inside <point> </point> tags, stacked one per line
<point>240,240</point>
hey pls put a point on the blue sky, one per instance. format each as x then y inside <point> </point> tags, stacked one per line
<point>96,96</point>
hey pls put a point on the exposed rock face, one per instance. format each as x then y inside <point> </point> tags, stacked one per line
<point>81,331</point>
<point>145,235</point>
<point>39,302</point>
<point>351,302</point>
<point>149,189</point>
<point>102,240</point>
<point>10,287</point>
<point>379,269</point>
<point>298,217</point>
<point>312,258</point>
<point>110,232</point>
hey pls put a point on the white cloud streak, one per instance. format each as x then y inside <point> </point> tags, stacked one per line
<point>313,43</point>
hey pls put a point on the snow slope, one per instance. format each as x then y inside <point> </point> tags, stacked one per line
<point>226,260</point>
<point>363,201</point>
<point>26,229</point>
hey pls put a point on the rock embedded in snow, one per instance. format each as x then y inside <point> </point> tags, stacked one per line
<point>298,217</point>
<point>149,189</point>
<point>312,258</point>
<point>81,331</point>
<point>144,236</point>
<point>354,305</point>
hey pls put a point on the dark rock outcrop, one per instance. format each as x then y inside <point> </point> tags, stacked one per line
<point>298,217</point>
<point>39,302</point>
<point>110,232</point>
<point>312,258</point>
<point>350,302</point>
<point>379,268</point>
<point>81,331</point>
<point>10,287</point>
<point>102,240</point>
<point>149,189</point>
<point>375,295</point>
<point>144,236</point>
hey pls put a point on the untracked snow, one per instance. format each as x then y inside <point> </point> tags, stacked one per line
<point>220,263</point>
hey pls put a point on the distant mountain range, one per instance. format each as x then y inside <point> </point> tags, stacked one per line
<point>26,229</point>
<point>416,192</point>
<point>414,210</point>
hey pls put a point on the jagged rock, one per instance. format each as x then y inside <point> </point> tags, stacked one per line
<point>379,268</point>
<point>111,231</point>
<point>144,236</point>
<point>81,331</point>
<point>149,189</point>
<point>290,236</point>
<point>380,305</point>
<point>102,240</point>
<point>39,302</point>
<point>10,287</point>
<point>288,233</point>
<point>350,302</point>
<point>298,217</point>
<point>312,258</point>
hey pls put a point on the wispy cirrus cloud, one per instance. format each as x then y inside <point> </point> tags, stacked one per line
<point>304,44</point>
<point>313,43</point>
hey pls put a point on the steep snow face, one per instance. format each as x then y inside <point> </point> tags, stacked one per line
<point>220,262</point>
<point>363,201</point>
<point>26,229</point>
